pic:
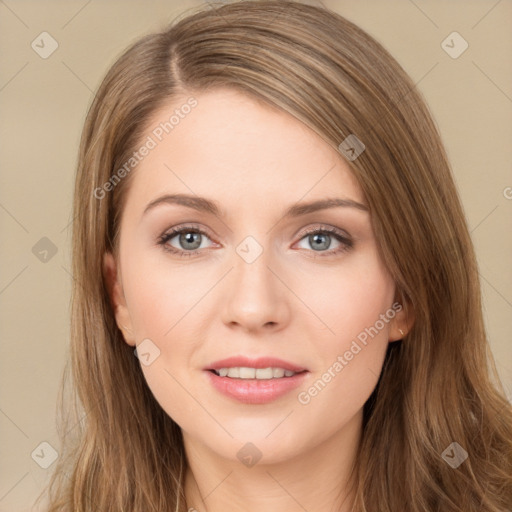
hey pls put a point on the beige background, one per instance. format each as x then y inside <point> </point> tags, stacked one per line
<point>43,104</point>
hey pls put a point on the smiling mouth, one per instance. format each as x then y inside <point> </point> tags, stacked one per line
<point>250,385</point>
<point>244,372</point>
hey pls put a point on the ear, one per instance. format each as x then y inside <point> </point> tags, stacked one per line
<point>114,285</point>
<point>403,320</point>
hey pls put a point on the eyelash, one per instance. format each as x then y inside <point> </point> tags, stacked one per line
<point>346,243</point>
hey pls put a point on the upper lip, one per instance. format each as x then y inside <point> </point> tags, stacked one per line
<point>260,362</point>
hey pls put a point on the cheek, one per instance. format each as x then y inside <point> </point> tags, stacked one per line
<point>349,299</point>
<point>162,310</point>
<point>354,307</point>
<point>159,295</point>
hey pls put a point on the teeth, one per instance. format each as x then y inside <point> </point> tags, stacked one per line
<point>264,373</point>
<point>233,372</point>
<point>243,372</point>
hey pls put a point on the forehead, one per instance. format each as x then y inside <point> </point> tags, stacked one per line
<point>235,148</point>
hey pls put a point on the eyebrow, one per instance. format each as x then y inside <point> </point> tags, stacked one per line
<point>203,204</point>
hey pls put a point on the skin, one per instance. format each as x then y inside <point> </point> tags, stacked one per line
<point>255,161</point>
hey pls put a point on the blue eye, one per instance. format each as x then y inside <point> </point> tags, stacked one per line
<point>190,239</point>
<point>321,239</point>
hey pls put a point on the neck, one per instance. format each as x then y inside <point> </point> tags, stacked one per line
<point>314,480</point>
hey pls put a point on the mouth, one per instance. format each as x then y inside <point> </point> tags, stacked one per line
<point>244,372</point>
<point>256,381</point>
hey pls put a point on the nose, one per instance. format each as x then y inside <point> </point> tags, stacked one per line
<point>255,296</point>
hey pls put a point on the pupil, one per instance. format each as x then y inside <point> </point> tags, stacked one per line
<point>188,238</point>
<point>321,245</point>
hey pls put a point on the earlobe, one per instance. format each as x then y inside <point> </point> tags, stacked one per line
<point>401,324</point>
<point>117,299</point>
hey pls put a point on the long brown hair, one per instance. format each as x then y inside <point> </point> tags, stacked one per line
<point>439,385</point>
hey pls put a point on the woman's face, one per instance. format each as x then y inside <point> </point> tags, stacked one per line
<point>304,289</point>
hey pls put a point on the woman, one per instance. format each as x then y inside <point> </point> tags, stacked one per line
<point>320,344</point>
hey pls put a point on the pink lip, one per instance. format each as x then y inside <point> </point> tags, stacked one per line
<point>261,362</point>
<point>255,391</point>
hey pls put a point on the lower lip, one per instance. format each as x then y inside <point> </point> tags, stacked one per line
<point>256,391</point>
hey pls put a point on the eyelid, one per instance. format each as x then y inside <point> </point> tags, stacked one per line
<point>345,240</point>
<point>323,227</point>
<point>178,229</point>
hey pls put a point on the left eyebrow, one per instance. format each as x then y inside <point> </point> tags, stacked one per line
<point>323,204</point>
<point>203,204</point>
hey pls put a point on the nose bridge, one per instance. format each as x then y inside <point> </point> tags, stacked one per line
<point>252,262</point>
